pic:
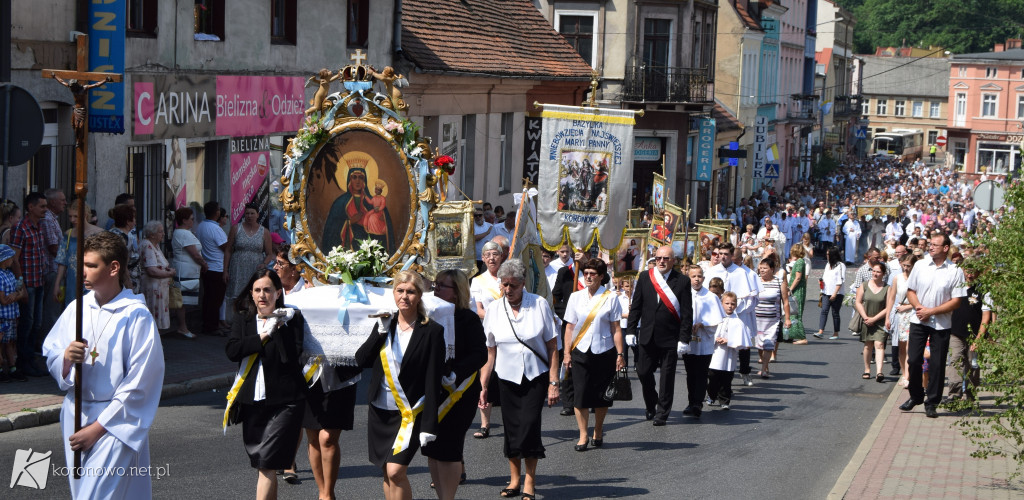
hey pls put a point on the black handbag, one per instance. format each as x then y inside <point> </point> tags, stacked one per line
<point>620,388</point>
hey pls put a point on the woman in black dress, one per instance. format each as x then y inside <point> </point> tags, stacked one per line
<point>269,393</point>
<point>406,356</point>
<point>461,389</point>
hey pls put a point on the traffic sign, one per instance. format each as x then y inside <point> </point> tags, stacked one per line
<point>989,196</point>
<point>771,171</point>
<point>860,133</point>
<point>940,141</point>
<point>22,122</point>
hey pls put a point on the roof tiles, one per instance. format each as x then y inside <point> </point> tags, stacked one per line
<point>508,38</point>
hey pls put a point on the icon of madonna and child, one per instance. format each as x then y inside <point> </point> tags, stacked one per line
<point>349,193</point>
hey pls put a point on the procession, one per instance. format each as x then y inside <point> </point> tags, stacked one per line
<point>401,267</point>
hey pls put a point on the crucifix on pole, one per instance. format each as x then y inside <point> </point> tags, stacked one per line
<point>77,81</point>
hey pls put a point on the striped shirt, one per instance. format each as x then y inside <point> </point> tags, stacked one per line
<point>51,236</point>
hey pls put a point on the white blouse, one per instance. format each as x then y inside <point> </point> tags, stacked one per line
<point>598,337</point>
<point>535,325</point>
<point>385,400</point>
<point>833,277</point>
<point>482,290</point>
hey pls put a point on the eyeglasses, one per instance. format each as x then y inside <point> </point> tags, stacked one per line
<point>437,286</point>
<point>279,263</point>
<point>589,273</point>
<point>660,259</point>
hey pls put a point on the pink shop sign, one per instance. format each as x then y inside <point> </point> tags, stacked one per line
<point>259,105</point>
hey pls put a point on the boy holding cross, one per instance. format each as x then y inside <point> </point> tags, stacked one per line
<point>122,376</point>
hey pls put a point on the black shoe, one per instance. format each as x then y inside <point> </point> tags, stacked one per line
<point>688,411</point>
<point>909,404</point>
<point>581,447</point>
<point>894,372</point>
<point>931,411</point>
<point>649,415</point>
<point>16,375</point>
<point>596,443</point>
<point>659,422</point>
<point>566,412</point>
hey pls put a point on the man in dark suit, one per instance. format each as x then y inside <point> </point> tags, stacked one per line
<point>659,329</point>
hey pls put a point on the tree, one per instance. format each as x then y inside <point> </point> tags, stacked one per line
<point>997,428</point>
<point>959,26</point>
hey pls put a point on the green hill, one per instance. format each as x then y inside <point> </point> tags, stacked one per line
<point>960,26</point>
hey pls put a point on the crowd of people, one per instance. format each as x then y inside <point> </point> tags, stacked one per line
<point>512,348</point>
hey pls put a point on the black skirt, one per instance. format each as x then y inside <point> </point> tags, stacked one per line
<point>381,429</point>
<point>591,374</point>
<point>521,408</point>
<point>333,410</point>
<point>271,433</point>
<point>451,432</point>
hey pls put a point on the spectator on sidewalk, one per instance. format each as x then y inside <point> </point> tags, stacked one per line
<point>124,226</point>
<point>213,241</point>
<point>67,261</point>
<point>29,243</point>
<point>56,202</point>
<point>934,288</point>
<point>970,322</point>
<point>121,199</point>
<point>157,275</point>
<point>190,265</point>
<point>10,293</point>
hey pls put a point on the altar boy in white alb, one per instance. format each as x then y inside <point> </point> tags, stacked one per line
<point>122,375</point>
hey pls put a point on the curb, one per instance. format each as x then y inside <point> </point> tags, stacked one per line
<point>861,453</point>
<point>51,414</point>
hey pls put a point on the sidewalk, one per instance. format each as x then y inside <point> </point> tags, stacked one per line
<point>906,455</point>
<point>190,366</point>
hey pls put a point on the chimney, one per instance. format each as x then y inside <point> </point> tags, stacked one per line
<point>1013,43</point>
<point>999,47</point>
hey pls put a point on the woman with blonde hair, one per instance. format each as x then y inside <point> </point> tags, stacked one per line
<point>405,353</point>
<point>67,264</point>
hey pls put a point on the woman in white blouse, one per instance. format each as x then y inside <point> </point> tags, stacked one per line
<point>833,277</point>
<point>521,351</point>
<point>591,332</point>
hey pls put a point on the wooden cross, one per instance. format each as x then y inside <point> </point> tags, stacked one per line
<point>358,57</point>
<point>73,80</point>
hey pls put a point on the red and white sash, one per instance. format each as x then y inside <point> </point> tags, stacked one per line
<point>580,284</point>
<point>667,297</point>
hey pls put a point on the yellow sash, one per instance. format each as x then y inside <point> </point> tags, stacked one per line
<point>489,285</point>
<point>312,371</point>
<point>409,412</point>
<point>243,371</point>
<point>590,319</point>
<point>454,395</point>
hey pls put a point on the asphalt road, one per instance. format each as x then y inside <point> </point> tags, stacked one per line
<point>788,437</point>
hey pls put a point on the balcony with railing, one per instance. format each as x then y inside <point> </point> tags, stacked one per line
<point>846,106</point>
<point>666,84</point>
<point>802,109</point>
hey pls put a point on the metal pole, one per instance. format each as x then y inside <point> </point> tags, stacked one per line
<point>7,134</point>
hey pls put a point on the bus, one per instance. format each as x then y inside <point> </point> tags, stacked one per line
<point>906,145</point>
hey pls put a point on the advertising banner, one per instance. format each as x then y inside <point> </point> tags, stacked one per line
<point>250,164</point>
<point>106,54</point>
<point>586,175</point>
<point>705,149</point>
<point>168,106</point>
<point>259,105</point>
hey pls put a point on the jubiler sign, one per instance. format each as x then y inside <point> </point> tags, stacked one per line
<point>586,172</point>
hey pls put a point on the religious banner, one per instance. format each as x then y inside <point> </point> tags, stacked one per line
<point>107,21</point>
<point>629,255</point>
<point>705,149</point>
<point>672,215</point>
<point>450,243</point>
<point>708,238</point>
<point>658,194</point>
<point>586,174</point>
<point>636,218</point>
<point>659,232</point>
<point>760,145</point>
<point>250,164</point>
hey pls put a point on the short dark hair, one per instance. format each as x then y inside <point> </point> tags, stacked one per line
<point>726,246</point>
<point>33,198</point>
<point>110,247</point>
<point>945,237</point>
<point>211,209</point>
<point>597,265</point>
<point>122,214</point>
<point>123,198</point>
<point>182,214</point>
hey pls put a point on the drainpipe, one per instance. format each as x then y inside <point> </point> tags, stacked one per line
<point>397,28</point>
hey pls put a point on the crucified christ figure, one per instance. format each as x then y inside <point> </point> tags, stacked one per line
<point>80,112</point>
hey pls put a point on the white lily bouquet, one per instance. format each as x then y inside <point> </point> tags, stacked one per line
<point>368,261</point>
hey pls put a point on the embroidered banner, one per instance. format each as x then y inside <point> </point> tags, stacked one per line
<point>586,174</point>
